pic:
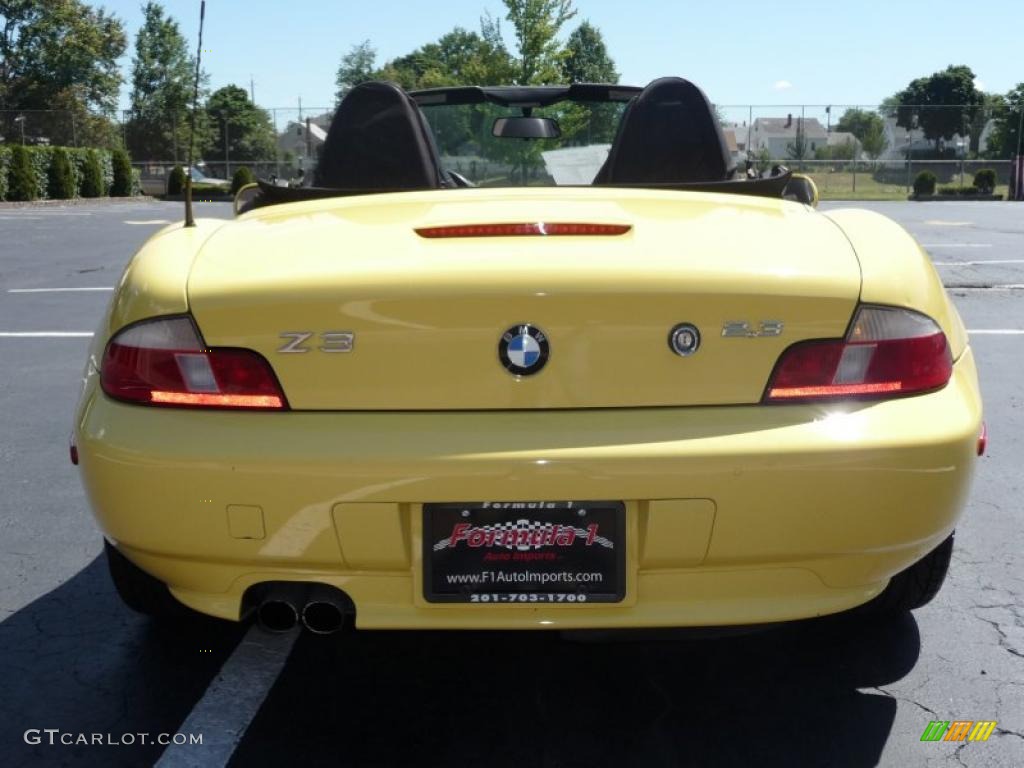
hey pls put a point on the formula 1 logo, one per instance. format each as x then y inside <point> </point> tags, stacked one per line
<point>522,535</point>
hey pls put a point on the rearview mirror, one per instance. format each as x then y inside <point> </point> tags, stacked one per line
<point>526,128</point>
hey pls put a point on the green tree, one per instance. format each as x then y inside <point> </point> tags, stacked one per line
<point>122,186</point>
<point>163,75</point>
<point>845,151</point>
<point>944,103</point>
<point>799,148</point>
<point>586,58</point>
<point>250,132</point>
<point>60,54</point>
<point>49,47</point>
<point>859,122</point>
<point>535,24</point>
<point>868,128</point>
<point>874,142</point>
<point>1005,140</point>
<point>357,66</point>
<point>992,105</point>
<point>459,57</point>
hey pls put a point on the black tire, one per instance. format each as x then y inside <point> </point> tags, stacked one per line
<point>138,590</point>
<point>917,585</point>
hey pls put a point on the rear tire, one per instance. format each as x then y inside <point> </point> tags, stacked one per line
<point>138,590</point>
<point>917,585</point>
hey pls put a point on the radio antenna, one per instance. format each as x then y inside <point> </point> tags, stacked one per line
<point>189,218</point>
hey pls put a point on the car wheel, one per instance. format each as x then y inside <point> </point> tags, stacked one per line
<point>917,585</point>
<point>138,590</point>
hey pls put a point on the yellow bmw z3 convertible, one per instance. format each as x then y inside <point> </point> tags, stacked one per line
<point>529,357</point>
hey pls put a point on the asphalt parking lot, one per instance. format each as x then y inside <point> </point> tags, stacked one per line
<point>829,692</point>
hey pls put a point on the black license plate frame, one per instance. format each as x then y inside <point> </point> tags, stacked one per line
<point>540,552</point>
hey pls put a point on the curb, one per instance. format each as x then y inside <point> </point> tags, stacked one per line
<point>74,201</point>
<point>954,198</point>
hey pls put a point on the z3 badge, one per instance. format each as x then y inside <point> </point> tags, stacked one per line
<point>330,341</point>
<point>740,329</point>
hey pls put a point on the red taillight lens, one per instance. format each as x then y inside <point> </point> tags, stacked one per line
<point>540,228</point>
<point>888,352</point>
<point>164,362</point>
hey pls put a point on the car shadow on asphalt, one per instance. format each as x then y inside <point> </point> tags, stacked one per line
<point>77,660</point>
<point>797,694</point>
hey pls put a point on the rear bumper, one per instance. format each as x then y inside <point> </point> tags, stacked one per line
<point>780,513</point>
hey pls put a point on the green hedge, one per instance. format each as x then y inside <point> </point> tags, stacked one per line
<point>242,177</point>
<point>5,169</point>
<point>954,190</point>
<point>122,175</point>
<point>176,180</point>
<point>42,171</point>
<point>924,183</point>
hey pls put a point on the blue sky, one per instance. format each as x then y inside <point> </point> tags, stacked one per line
<point>739,51</point>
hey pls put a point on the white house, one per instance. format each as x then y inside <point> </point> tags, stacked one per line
<point>776,134</point>
<point>293,140</point>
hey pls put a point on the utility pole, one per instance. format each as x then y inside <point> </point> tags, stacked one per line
<point>252,90</point>
<point>750,128</point>
<point>309,141</point>
<point>1020,128</point>
<point>227,157</point>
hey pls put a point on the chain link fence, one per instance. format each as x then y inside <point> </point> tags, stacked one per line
<point>851,151</point>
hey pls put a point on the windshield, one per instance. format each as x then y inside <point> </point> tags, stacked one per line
<point>467,145</point>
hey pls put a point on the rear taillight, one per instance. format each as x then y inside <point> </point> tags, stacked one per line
<point>888,352</point>
<point>164,362</point>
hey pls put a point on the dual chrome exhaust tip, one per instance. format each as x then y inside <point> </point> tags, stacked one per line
<point>319,608</point>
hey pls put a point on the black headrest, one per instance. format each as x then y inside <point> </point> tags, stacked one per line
<point>668,134</point>
<point>378,140</point>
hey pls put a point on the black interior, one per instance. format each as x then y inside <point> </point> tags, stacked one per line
<point>378,141</point>
<point>668,134</point>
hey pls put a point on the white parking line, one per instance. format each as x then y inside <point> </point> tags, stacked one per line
<point>232,700</point>
<point>996,332</point>
<point>61,290</point>
<point>956,245</point>
<point>149,221</point>
<point>45,334</point>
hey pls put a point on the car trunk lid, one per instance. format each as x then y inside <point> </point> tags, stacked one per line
<point>427,315</point>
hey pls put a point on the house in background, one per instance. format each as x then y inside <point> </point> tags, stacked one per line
<point>776,134</point>
<point>899,138</point>
<point>293,142</point>
<point>736,144</point>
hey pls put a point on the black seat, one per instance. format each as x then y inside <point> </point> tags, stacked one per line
<point>669,135</point>
<point>378,140</point>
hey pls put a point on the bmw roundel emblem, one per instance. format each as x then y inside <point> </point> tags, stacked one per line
<point>523,350</point>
